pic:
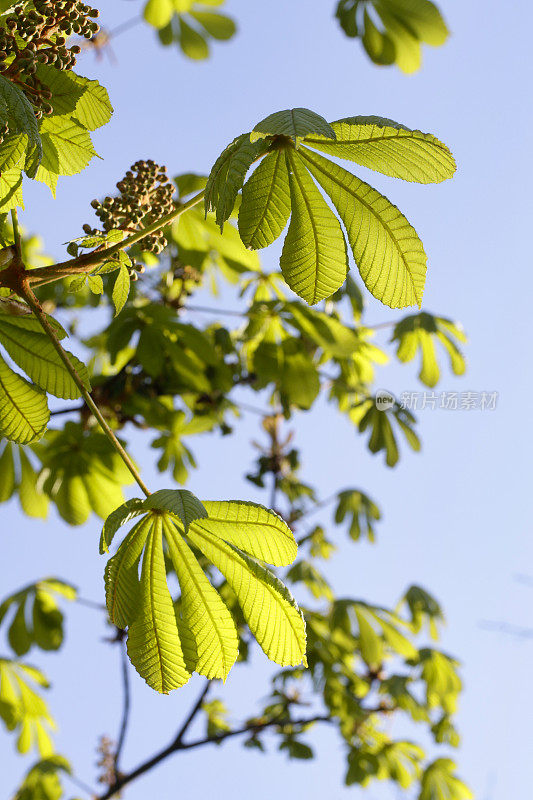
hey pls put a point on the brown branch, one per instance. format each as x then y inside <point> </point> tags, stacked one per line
<point>177,745</point>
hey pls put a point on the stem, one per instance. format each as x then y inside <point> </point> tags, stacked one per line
<point>176,746</point>
<point>16,232</point>
<point>41,316</point>
<point>85,263</point>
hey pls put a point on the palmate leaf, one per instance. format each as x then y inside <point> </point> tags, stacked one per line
<point>367,416</point>
<point>403,26</point>
<point>24,412</point>
<point>387,250</point>
<point>189,24</point>
<point>166,648</point>
<point>439,782</point>
<point>42,781</point>
<point>23,709</point>
<point>82,473</point>
<point>36,619</point>
<point>419,333</point>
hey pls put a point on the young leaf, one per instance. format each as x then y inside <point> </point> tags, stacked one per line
<point>121,289</point>
<point>390,148</point>
<point>128,510</point>
<point>266,202</point>
<point>227,176</point>
<point>294,123</point>
<point>17,112</point>
<point>35,354</point>
<point>314,260</point>
<point>219,26</point>
<point>154,645</point>
<point>250,527</point>
<point>121,576</point>
<point>180,502</point>
<point>192,42</point>
<point>268,607</point>
<point>386,248</point>
<point>24,411</point>
<point>207,618</point>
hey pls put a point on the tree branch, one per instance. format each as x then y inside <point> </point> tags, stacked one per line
<point>126,699</point>
<point>178,745</point>
<point>86,263</point>
<point>33,303</point>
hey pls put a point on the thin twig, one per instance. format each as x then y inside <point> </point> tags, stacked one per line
<point>80,784</point>
<point>71,410</point>
<point>176,746</point>
<point>41,316</point>
<point>126,699</point>
<point>91,604</point>
<point>216,311</point>
<point>194,711</point>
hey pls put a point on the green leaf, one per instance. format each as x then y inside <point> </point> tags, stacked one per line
<point>204,612</point>
<point>191,42</point>
<point>67,149</point>
<point>219,26</point>
<point>266,202</point>
<point>370,644</point>
<point>390,148</point>
<point>10,190</point>
<point>7,473</point>
<point>121,576</point>
<point>250,527</point>
<point>227,176</point>
<point>362,510</point>
<point>314,260</point>
<point>24,411</point>
<point>121,289</point>
<point>128,510</point>
<point>36,355</point>
<point>293,122</point>
<point>23,709</point>
<point>33,501</point>
<point>95,284</point>
<point>17,111</point>
<point>180,502</point>
<point>386,248</point>
<point>154,645</point>
<point>419,332</point>
<point>158,12</point>
<point>440,783</point>
<point>42,781</point>
<point>94,108</point>
<point>268,607</point>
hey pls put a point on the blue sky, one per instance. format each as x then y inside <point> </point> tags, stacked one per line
<point>455,516</point>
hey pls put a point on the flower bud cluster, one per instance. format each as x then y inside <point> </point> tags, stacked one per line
<point>145,196</point>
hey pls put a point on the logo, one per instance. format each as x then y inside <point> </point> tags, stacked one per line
<point>384,400</point>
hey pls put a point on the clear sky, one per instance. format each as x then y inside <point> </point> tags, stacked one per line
<point>456,516</point>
